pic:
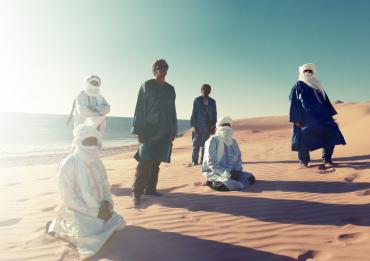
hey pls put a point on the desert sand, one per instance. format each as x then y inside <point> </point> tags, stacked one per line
<point>289,214</point>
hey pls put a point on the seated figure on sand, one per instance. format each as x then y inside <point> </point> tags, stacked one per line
<point>222,163</point>
<point>311,113</point>
<point>85,215</point>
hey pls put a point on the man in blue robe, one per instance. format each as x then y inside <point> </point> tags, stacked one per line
<point>155,124</point>
<point>203,121</point>
<point>311,113</point>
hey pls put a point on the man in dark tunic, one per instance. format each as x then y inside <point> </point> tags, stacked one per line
<point>203,122</point>
<point>155,124</point>
<point>312,113</point>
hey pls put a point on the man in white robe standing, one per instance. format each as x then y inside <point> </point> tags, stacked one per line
<point>85,215</point>
<point>90,107</point>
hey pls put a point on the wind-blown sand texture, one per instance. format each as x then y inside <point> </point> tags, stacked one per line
<point>289,214</point>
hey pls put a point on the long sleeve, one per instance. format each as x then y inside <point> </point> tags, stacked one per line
<point>193,119</point>
<point>103,108</point>
<point>210,164</point>
<point>295,112</point>
<point>107,195</point>
<point>140,111</point>
<point>214,120</point>
<point>330,105</point>
<point>238,165</point>
<point>84,108</point>
<point>174,118</point>
<point>67,190</point>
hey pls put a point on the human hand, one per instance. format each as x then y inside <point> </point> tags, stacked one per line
<point>298,124</point>
<point>140,137</point>
<point>105,211</point>
<point>194,129</point>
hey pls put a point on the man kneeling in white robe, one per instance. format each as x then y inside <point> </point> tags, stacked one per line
<point>85,217</point>
<point>222,164</point>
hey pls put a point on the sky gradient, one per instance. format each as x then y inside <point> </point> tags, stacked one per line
<point>248,51</point>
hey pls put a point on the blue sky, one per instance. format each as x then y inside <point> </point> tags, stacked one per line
<point>249,51</point>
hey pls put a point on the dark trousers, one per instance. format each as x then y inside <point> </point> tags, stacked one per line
<point>146,177</point>
<point>304,154</point>
<point>195,155</point>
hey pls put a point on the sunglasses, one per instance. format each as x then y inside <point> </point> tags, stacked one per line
<point>309,71</point>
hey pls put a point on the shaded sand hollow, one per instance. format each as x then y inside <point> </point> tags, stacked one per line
<point>289,214</point>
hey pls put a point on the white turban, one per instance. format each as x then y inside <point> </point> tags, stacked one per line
<point>82,132</point>
<point>93,78</point>
<point>93,90</point>
<point>311,81</point>
<point>225,133</point>
<point>224,120</point>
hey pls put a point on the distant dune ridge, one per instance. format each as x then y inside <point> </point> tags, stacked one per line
<point>289,214</point>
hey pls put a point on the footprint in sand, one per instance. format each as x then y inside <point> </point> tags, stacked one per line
<point>353,237</point>
<point>333,242</point>
<point>191,219</point>
<point>42,179</point>
<point>10,222</point>
<point>364,193</point>
<point>314,255</point>
<point>351,177</point>
<point>47,193</point>
<point>22,199</point>
<point>48,209</point>
<point>327,171</point>
<point>14,184</point>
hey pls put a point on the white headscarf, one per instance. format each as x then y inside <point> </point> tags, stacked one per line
<point>225,133</point>
<point>81,132</point>
<point>312,80</point>
<point>92,90</point>
<point>84,157</point>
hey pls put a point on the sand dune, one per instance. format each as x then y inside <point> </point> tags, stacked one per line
<point>289,214</point>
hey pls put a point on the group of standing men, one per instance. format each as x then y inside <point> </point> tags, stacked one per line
<point>86,217</point>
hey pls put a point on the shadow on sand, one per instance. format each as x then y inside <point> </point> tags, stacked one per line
<point>141,244</point>
<point>288,211</point>
<point>355,162</point>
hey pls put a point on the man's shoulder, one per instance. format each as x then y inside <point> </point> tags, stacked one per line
<point>211,100</point>
<point>82,94</point>
<point>67,164</point>
<point>145,85</point>
<point>297,85</point>
<point>213,139</point>
<point>148,82</point>
<point>235,142</point>
<point>170,86</point>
